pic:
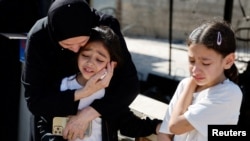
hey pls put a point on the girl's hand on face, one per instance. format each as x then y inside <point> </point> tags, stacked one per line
<point>107,74</point>
<point>95,83</point>
<point>192,84</point>
<point>101,79</point>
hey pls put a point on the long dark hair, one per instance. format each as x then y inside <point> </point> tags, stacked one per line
<point>218,35</point>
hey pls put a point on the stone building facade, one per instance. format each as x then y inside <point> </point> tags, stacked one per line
<point>150,18</point>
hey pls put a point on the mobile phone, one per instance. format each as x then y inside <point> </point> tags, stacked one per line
<point>59,124</point>
<point>105,73</point>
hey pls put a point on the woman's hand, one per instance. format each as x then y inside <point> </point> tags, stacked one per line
<point>78,124</point>
<point>164,137</point>
<point>96,82</point>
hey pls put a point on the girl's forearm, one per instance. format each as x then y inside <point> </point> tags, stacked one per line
<point>178,123</point>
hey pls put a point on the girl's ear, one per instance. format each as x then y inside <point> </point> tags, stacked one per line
<point>229,60</point>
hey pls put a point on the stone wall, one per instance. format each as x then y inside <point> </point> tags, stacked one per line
<point>150,18</point>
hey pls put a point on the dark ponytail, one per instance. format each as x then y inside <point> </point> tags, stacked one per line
<point>232,74</point>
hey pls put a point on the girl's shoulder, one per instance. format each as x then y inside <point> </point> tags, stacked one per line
<point>230,85</point>
<point>226,89</point>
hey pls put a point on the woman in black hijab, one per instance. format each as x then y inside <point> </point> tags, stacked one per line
<point>50,53</point>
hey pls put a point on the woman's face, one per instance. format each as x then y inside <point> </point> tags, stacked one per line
<point>93,58</point>
<point>75,43</point>
<point>206,66</point>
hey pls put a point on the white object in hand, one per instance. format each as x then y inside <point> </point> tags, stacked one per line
<point>103,75</point>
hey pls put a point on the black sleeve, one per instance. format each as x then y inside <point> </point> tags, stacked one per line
<point>133,126</point>
<point>41,77</point>
<point>124,86</point>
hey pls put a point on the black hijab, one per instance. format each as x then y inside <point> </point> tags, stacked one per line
<point>69,18</point>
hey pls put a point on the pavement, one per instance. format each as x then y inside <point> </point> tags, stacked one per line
<point>153,56</point>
